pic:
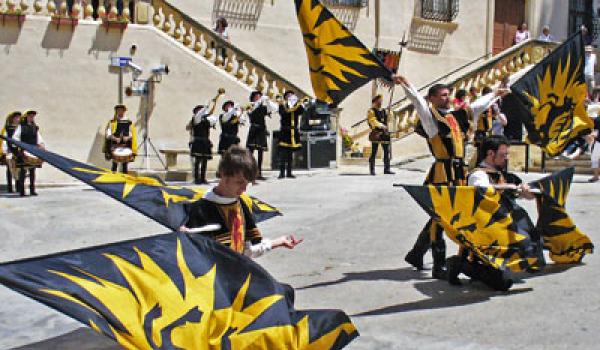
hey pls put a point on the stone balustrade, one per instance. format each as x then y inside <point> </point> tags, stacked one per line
<point>76,9</point>
<point>491,73</point>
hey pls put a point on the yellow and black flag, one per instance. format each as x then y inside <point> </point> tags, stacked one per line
<point>553,93</point>
<point>175,291</point>
<point>150,196</point>
<point>487,222</point>
<point>565,242</point>
<point>339,63</point>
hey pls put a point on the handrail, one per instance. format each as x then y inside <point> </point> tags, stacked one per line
<point>235,55</point>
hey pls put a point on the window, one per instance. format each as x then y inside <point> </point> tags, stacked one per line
<point>439,10</point>
<point>580,13</point>
<point>346,3</point>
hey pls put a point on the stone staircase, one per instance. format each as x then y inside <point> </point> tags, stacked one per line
<point>583,165</point>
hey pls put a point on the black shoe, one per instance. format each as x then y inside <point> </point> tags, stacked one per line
<point>439,273</point>
<point>261,178</point>
<point>290,176</point>
<point>415,260</point>
<point>281,176</point>
<point>388,172</point>
<point>454,264</point>
<point>33,193</point>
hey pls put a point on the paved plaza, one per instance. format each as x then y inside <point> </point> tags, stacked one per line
<point>357,229</point>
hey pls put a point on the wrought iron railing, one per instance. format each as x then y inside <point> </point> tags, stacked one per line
<point>439,10</point>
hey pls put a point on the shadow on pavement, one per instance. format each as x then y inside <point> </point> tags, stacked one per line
<point>399,275</point>
<point>443,295</point>
<point>79,339</point>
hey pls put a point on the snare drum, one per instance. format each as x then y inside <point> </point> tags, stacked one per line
<point>29,160</point>
<point>122,155</point>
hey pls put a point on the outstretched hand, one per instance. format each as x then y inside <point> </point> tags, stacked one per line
<point>400,79</point>
<point>289,242</point>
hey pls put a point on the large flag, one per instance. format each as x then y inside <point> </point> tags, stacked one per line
<point>553,93</point>
<point>565,242</point>
<point>487,222</point>
<point>148,195</point>
<point>175,291</point>
<point>339,63</point>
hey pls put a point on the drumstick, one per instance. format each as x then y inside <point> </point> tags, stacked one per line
<point>205,228</point>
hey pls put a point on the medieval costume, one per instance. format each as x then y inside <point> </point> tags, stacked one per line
<point>200,144</point>
<point>27,132</point>
<point>378,121</point>
<point>230,125</point>
<point>289,135</point>
<point>237,228</point>
<point>445,132</point>
<point>258,133</point>
<point>8,151</point>
<point>120,135</point>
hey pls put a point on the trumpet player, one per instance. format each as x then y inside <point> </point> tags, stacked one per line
<point>290,110</point>
<point>260,108</point>
<point>200,144</point>
<point>27,132</point>
<point>230,122</point>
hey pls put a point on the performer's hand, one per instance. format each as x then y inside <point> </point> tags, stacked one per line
<point>399,79</point>
<point>501,92</point>
<point>288,242</point>
<point>525,191</point>
<point>184,228</point>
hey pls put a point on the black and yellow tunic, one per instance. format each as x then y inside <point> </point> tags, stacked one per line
<point>120,128</point>
<point>200,144</point>
<point>229,132</point>
<point>289,136</point>
<point>447,147</point>
<point>235,219</point>
<point>257,135</point>
<point>378,120</point>
<point>484,126</point>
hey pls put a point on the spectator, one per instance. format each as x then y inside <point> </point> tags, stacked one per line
<point>522,33</point>
<point>576,148</point>
<point>546,36</point>
<point>221,30</point>
<point>473,94</point>
<point>460,100</point>
<point>595,142</point>
<point>587,38</point>
<point>589,69</point>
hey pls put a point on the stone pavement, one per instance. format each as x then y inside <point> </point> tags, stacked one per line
<point>357,229</point>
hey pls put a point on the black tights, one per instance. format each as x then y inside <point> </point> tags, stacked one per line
<point>285,162</point>
<point>21,181</point>
<point>115,166</point>
<point>9,179</point>
<point>200,165</point>
<point>259,159</point>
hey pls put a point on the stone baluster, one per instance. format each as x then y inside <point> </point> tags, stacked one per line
<point>113,13</point>
<point>179,32</point>
<point>38,7</point>
<point>158,18</point>
<point>231,63</point>
<point>273,90</point>
<point>88,9</point>
<point>11,6</point>
<point>101,10</point>
<point>24,5</point>
<point>169,24</point>
<point>189,38</point>
<point>51,7</point>
<point>241,71</point>
<point>201,45</point>
<point>77,9</point>
<point>63,8</point>
<point>1,6</point>
<point>126,12</point>
<point>250,79</point>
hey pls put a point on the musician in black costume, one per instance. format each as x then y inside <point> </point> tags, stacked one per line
<point>261,108</point>
<point>27,132</point>
<point>290,110</point>
<point>200,145</point>
<point>230,122</point>
<point>8,151</point>
<point>377,118</point>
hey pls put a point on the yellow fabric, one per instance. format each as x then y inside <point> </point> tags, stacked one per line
<point>484,123</point>
<point>372,119</point>
<point>457,136</point>
<point>234,218</point>
<point>3,133</point>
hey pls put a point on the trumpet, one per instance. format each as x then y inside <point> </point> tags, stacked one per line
<point>220,93</point>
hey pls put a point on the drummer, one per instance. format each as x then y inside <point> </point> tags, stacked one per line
<point>27,132</point>
<point>120,137</point>
<point>7,151</point>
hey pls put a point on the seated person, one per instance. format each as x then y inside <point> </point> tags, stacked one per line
<point>491,172</point>
<point>234,224</point>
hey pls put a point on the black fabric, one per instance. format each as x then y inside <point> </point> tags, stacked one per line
<point>201,146</point>
<point>229,131</point>
<point>29,133</point>
<point>257,135</point>
<point>289,126</point>
<point>115,167</point>
<point>285,161</point>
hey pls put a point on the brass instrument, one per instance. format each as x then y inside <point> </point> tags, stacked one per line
<point>214,102</point>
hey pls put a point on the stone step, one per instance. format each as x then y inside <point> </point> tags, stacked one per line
<point>551,169</point>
